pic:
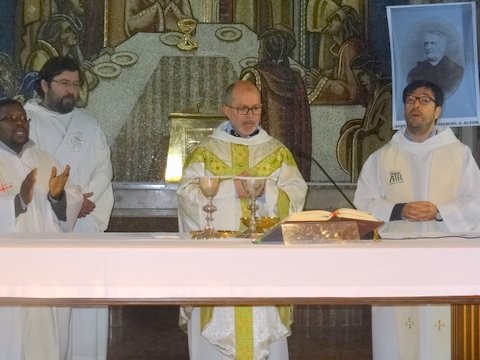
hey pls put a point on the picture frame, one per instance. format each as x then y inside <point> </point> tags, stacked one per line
<point>413,31</point>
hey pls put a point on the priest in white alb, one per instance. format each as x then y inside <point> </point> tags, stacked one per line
<point>34,198</point>
<point>239,147</point>
<point>73,137</point>
<point>424,182</point>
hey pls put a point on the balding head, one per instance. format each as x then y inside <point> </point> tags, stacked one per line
<point>242,106</point>
<point>234,89</point>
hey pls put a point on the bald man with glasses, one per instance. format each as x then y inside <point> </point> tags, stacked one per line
<point>239,146</point>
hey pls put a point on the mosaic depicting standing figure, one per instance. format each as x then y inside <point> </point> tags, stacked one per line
<point>285,109</point>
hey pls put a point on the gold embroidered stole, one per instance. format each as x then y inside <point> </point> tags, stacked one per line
<point>240,155</point>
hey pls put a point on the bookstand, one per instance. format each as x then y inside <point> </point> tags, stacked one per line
<point>312,232</point>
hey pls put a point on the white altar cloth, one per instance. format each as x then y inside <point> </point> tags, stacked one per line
<point>168,267</point>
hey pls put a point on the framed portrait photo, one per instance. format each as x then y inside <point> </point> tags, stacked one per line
<point>438,43</point>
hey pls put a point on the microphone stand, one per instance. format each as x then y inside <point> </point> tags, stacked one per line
<point>332,181</point>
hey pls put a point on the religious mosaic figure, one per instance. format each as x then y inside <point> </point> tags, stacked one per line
<point>317,13</point>
<point>34,14</point>
<point>339,85</point>
<point>361,137</point>
<point>74,9</point>
<point>58,36</point>
<point>14,84</point>
<point>154,16</point>
<point>285,109</point>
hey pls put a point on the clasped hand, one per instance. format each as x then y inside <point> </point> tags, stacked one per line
<point>88,205</point>
<point>419,211</point>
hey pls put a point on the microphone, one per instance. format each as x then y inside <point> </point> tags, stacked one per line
<point>311,158</point>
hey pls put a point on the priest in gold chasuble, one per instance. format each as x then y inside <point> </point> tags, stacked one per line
<point>239,147</point>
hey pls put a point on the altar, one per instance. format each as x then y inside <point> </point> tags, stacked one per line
<point>170,268</point>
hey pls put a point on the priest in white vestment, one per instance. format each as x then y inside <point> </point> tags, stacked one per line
<point>33,199</point>
<point>424,182</point>
<point>76,138</point>
<point>239,147</point>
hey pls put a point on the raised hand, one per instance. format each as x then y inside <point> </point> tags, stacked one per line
<point>26,189</point>
<point>56,184</point>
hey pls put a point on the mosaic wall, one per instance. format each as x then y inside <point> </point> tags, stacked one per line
<point>137,73</point>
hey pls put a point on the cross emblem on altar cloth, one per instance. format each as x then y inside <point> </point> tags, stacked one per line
<point>439,325</point>
<point>410,323</point>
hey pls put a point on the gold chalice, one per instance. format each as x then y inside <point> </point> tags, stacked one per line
<point>209,188</point>
<point>254,186</point>
<point>262,223</point>
<point>187,26</point>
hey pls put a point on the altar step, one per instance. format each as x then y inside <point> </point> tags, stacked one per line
<point>319,333</point>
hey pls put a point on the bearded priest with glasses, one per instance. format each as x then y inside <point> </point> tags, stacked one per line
<point>74,137</point>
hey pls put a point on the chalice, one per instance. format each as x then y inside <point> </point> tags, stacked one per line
<point>187,26</point>
<point>254,187</point>
<point>209,188</point>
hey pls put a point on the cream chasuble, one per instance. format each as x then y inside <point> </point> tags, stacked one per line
<point>441,170</point>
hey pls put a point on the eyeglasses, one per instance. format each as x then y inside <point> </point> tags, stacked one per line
<point>424,99</point>
<point>67,84</point>
<point>15,118</point>
<point>243,110</point>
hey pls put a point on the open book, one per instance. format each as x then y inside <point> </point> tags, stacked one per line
<point>365,222</point>
<point>324,215</point>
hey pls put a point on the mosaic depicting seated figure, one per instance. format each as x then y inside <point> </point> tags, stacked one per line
<point>154,15</point>
<point>360,137</point>
<point>59,36</point>
<point>339,85</point>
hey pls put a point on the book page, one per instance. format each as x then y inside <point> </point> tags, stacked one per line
<point>311,215</point>
<point>347,213</point>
